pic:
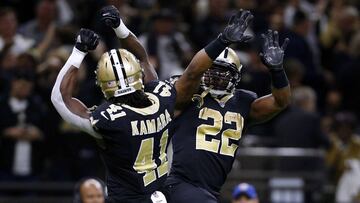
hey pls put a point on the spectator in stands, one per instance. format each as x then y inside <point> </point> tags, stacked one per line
<point>21,8</point>
<point>168,49</point>
<point>23,62</point>
<point>295,72</point>
<point>336,38</point>
<point>206,29</point>
<point>299,47</point>
<point>343,157</point>
<point>299,125</point>
<point>49,69</point>
<point>90,190</point>
<point>12,45</point>
<point>333,104</point>
<point>255,77</point>
<point>46,13</point>
<point>10,42</point>
<point>345,143</point>
<point>277,22</point>
<point>244,193</point>
<point>291,8</point>
<point>21,135</point>
<point>347,77</point>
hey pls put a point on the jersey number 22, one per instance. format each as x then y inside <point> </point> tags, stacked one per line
<point>222,146</point>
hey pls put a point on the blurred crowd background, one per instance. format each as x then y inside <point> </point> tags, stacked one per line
<point>322,62</point>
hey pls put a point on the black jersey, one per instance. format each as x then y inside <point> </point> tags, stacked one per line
<point>206,139</point>
<point>134,143</point>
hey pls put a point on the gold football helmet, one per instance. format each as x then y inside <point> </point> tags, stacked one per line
<point>225,73</point>
<point>119,73</point>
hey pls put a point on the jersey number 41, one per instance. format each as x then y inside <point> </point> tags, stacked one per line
<point>145,163</point>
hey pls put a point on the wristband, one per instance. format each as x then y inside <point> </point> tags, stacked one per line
<point>76,57</point>
<point>279,79</point>
<point>122,31</point>
<point>214,48</point>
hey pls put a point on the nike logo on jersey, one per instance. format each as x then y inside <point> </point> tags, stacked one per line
<point>103,114</point>
<point>144,127</point>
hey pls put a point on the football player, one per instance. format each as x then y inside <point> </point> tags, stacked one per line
<point>132,124</point>
<point>207,133</point>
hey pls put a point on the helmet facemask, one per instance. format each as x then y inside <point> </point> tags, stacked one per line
<point>221,79</point>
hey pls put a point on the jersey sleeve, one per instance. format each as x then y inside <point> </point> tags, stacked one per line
<point>96,121</point>
<point>100,118</point>
<point>166,92</point>
<point>246,98</point>
<point>251,96</point>
<point>108,117</point>
<point>163,88</point>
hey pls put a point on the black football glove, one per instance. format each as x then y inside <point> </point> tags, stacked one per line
<point>272,54</point>
<point>110,16</point>
<point>234,31</point>
<point>87,40</point>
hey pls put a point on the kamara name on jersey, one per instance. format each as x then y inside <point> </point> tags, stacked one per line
<point>144,127</point>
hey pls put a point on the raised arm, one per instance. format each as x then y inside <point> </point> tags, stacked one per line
<point>272,56</point>
<point>71,109</point>
<point>111,17</point>
<point>189,82</point>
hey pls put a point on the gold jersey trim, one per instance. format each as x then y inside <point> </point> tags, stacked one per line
<point>223,100</point>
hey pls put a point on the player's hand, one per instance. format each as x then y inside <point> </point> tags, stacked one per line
<point>87,40</point>
<point>272,54</point>
<point>110,16</point>
<point>234,31</point>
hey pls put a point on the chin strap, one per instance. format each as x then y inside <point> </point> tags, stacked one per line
<point>217,94</point>
<point>199,98</point>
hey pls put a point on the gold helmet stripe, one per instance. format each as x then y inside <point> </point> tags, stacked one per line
<point>118,66</point>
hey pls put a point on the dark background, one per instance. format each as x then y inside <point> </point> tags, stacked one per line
<point>41,156</point>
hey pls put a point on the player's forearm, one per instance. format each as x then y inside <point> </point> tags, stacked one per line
<point>132,44</point>
<point>282,96</point>
<point>189,82</point>
<point>71,109</point>
<point>198,65</point>
<point>203,60</point>
<point>281,88</point>
<point>67,87</point>
<point>61,95</point>
<point>266,107</point>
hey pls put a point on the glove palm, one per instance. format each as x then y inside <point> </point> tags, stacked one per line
<point>234,31</point>
<point>272,54</point>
